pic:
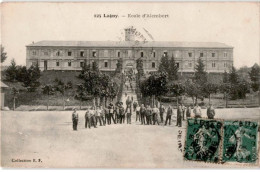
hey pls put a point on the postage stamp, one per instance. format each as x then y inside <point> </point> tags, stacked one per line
<point>240,141</point>
<point>219,141</point>
<point>203,140</point>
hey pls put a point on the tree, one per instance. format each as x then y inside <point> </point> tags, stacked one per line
<point>177,89</point>
<point>155,85</point>
<point>81,93</point>
<point>234,81</point>
<point>15,93</point>
<point>225,77</point>
<point>3,54</point>
<point>11,72</point>
<point>226,89</point>
<point>200,73</point>
<point>48,90</point>
<point>62,87</point>
<point>95,66</point>
<point>164,65</point>
<point>193,90</point>
<point>29,77</point>
<point>233,76</point>
<point>140,67</point>
<point>119,66</point>
<point>210,88</point>
<point>173,69</point>
<point>255,77</point>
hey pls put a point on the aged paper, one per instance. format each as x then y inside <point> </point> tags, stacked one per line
<point>130,85</point>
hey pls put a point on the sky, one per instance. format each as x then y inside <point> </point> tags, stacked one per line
<point>233,23</point>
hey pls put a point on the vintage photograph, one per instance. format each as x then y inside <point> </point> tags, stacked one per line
<point>130,85</point>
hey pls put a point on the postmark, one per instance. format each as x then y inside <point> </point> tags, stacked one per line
<point>203,140</point>
<point>240,141</point>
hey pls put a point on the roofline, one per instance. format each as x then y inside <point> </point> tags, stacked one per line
<point>134,47</point>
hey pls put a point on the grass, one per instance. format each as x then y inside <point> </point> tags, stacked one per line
<point>38,98</point>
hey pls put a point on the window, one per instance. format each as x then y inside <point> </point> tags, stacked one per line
<point>69,53</point>
<point>142,54</point>
<point>34,52</point>
<point>82,64</point>
<point>178,64</point>
<point>153,64</point>
<point>94,54</point>
<point>225,64</point>
<point>106,64</point>
<point>118,54</point>
<point>69,64</point>
<point>164,54</point>
<point>57,63</point>
<point>190,64</point>
<point>129,53</point>
<point>154,54</point>
<point>225,54</point>
<point>190,54</point>
<point>213,54</point>
<point>34,63</point>
<point>58,53</point>
<point>45,53</point>
<point>81,53</point>
<point>201,54</point>
<point>105,53</point>
<point>213,64</point>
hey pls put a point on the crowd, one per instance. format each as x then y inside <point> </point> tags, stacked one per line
<point>146,115</point>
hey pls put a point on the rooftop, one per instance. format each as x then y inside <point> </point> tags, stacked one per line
<point>48,43</point>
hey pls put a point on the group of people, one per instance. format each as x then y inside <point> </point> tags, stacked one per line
<point>147,115</point>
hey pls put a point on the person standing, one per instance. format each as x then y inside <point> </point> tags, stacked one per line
<point>134,105</point>
<point>156,113</point>
<point>148,115</point>
<point>169,114</point>
<point>183,111</point>
<point>117,114</point>
<point>75,119</point>
<point>121,113</point>
<point>138,116</point>
<point>197,111</point>
<point>98,118</point>
<point>128,112</point>
<point>142,112</point>
<point>162,110</point>
<point>102,115</point>
<point>87,119</point>
<point>110,113</point>
<point>92,113</point>
<point>188,112</point>
<point>210,112</point>
<point>179,115</point>
<point>106,112</point>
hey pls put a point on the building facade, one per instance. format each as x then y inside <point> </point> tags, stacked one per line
<point>72,55</point>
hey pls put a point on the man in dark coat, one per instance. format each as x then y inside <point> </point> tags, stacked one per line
<point>210,112</point>
<point>75,119</point>
<point>87,119</point>
<point>128,113</point>
<point>142,113</point>
<point>162,110</point>
<point>169,114</point>
<point>188,112</point>
<point>179,116</point>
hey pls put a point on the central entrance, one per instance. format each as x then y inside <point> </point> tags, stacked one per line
<point>129,66</point>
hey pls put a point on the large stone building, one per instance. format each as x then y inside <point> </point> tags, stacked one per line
<point>71,55</point>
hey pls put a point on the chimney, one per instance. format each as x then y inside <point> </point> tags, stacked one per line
<point>130,33</point>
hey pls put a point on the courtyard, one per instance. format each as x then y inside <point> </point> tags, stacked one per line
<point>48,136</point>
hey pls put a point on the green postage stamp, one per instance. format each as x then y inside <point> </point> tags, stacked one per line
<point>219,141</point>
